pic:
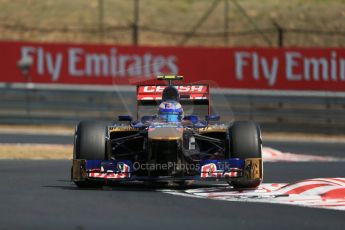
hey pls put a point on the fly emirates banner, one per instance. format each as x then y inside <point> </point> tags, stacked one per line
<point>242,68</point>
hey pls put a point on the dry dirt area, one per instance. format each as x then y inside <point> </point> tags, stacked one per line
<point>81,21</point>
<point>303,137</point>
<point>36,152</point>
<point>37,129</point>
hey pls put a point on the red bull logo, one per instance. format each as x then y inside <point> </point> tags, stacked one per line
<point>123,172</point>
<point>210,170</point>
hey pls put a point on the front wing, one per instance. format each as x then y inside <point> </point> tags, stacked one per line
<point>124,170</point>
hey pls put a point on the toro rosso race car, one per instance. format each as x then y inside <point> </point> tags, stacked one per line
<point>169,141</point>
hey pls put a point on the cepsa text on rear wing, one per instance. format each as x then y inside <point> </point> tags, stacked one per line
<point>191,92</point>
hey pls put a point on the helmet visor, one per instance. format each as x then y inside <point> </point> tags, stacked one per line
<point>171,117</point>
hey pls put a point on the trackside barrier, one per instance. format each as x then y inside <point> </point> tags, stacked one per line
<point>322,112</point>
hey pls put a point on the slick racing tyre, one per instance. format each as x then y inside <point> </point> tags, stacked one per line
<point>90,144</point>
<point>245,143</point>
<point>90,140</point>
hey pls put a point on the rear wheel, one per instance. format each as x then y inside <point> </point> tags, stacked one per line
<point>245,143</point>
<point>90,144</point>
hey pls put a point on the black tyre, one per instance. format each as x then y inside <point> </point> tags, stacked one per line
<point>90,144</point>
<point>245,143</point>
<point>90,141</point>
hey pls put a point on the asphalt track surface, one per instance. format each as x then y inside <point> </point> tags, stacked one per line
<point>39,195</point>
<point>35,139</point>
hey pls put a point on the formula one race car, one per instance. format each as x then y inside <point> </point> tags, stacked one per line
<point>168,142</point>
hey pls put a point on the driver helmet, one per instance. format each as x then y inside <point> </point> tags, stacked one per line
<point>170,111</point>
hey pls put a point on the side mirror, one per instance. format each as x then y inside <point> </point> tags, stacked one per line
<point>125,118</point>
<point>212,117</point>
<point>191,118</point>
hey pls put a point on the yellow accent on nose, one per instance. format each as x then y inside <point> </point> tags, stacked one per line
<point>165,133</point>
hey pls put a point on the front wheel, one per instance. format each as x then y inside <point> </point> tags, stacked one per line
<point>90,144</point>
<point>245,143</point>
<point>90,141</point>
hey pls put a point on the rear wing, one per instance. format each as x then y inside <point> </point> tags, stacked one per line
<point>189,92</point>
<point>194,99</point>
